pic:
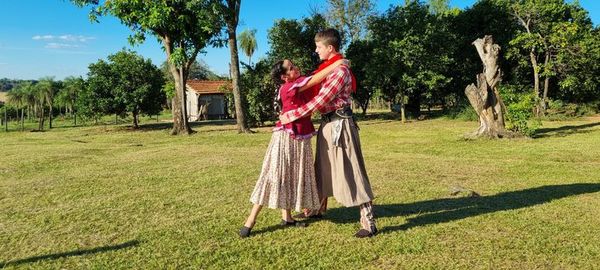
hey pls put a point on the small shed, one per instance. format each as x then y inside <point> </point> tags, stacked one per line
<point>206,99</point>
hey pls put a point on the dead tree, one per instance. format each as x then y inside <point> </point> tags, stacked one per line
<point>485,97</point>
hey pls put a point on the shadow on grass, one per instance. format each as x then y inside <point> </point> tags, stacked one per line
<point>564,130</point>
<point>81,252</point>
<point>451,209</point>
<point>277,227</point>
<point>169,125</point>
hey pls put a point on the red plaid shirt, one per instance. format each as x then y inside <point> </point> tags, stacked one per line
<point>334,94</point>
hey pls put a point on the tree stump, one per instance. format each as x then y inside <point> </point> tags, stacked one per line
<point>484,97</point>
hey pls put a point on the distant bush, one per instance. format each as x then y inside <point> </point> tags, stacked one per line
<point>519,110</point>
<point>558,110</point>
<point>465,113</point>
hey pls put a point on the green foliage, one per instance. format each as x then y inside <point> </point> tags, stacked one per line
<point>72,87</point>
<point>411,54</point>
<point>349,17</point>
<point>247,42</point>
<point>259,91</point>
<point>183,27</point>
<point>360,53</point>
<point>485,17</point>
<point>464,113</point>
<point>519,106</point>
<point>8,84</point>
<point>555,40</point>
<point>579,69</point>
<point>295,40</point>
<point>127,83</point>
<point>558,110</point>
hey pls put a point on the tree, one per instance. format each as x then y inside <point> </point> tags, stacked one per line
<point>438,6</point>
<point>4,109</point>
<point>127,83</point>
<point>485,17</point>
<point>411,56</point>
<point>230,10</point>
<point>40,95</point>
<point>16,98</point>
<point>485,97</point>
<point>360,53</point>
<point>548,29</point>
<point>29,97</point>
<point>295,40</point>
<point>183,27</point>
<point>73,86</point>
<point>260,92</point>
<point>248,43</point>
<point>47,88</point>
<point>349,17</point>
<point>579,69</point>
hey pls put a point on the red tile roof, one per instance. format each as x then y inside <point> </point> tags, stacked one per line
<point>209,87</point>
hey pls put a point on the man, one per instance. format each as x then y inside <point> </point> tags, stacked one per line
<point>339,165</point>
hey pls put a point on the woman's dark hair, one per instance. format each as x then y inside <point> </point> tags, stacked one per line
<point>277,71</point>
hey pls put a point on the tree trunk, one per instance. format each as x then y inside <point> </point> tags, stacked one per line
<point>41,123</point>
<point>235,80</point>
<point>544,100</point>
<point>414,104</point>
<point>484,97</point>
<point>50,117</point>
<point>232,19</point>
<point>178,102</point>
<point>402,110</point>
<point>536,80</point>
<point>135,119</point>
<point>364,106</point>
<point>5,120</point>
<point>22,119</point>
<point>180,123</point>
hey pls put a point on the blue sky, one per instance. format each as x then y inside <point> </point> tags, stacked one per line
<point>54,38</point>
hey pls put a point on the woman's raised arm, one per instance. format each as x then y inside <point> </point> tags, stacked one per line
<point>321,75</point>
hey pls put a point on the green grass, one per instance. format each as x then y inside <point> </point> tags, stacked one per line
<point>106,197</point>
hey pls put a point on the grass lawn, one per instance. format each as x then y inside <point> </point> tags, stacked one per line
<point>107,197</point>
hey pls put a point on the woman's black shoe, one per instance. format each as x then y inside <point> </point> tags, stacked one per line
<point>245,232</point>
<point>362,233</point>
<point>315,216</point>
<point>292,223</point>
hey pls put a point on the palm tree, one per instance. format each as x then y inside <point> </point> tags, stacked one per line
<point>231,14</point>
<point>248,43</point>
<point>47,87</point>
<point>72,87</point>
<point>16,97</point>
<point>29,97</point>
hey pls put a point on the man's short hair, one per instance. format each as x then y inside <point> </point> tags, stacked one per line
<point>329,36</point>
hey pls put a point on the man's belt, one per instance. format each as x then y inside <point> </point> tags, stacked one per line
<point>342,113</point>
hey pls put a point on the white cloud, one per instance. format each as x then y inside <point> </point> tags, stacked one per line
<point>44,37</point>
<point>54,45</point>
<point>64,38</point>
<point>73,38</point>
